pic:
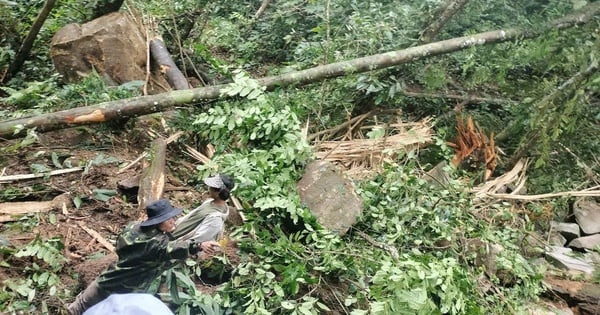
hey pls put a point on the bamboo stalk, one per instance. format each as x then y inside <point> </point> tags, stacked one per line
<point>13,178</point>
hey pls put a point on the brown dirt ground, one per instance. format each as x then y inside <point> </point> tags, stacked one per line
<point>86,256</point>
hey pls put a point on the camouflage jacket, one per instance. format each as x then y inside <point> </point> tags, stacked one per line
<point>143,256</point>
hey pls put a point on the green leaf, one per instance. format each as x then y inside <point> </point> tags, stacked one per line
<point>77,202</point>
<point>173,290</point>
<point>55,160</point>
<point>39,168</point>
<point>305,309</point>
<point>133,85</point>
<point>288,305</point>
<point>104,194</point>
<point>255,94</point>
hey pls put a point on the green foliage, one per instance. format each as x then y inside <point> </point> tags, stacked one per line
<point>183,293</point>
<point>42,280</point>
<point>287,258</point>
<point>270,146</point>
<point>41,97</point>
<point>424,285</point>
<point>294,255</point>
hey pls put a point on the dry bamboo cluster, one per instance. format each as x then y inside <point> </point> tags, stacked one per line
<point>364,153</point>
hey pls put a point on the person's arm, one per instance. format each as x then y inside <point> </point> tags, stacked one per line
<point>182,249</point>
<point>167,250</point>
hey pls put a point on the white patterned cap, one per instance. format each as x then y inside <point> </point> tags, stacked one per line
<point>220,181</point>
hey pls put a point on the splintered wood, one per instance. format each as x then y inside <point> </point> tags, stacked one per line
<point>472,143</point>
<point>363,153</point>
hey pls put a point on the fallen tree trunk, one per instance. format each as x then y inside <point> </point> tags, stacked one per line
<point>166,65</point>
<point>137,106</point>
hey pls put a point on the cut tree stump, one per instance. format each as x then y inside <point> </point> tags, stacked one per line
<point>152,182</point>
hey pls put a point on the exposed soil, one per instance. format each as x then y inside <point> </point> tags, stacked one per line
<point>86,256</point>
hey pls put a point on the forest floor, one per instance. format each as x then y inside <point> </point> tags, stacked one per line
<point>76,227</point>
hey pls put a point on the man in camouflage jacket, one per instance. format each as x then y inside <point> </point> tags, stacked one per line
<point>145,251</point>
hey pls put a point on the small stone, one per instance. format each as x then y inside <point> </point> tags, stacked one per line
<point>569,230</point>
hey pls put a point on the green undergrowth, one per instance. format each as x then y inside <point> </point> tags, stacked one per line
<point>291,265</point>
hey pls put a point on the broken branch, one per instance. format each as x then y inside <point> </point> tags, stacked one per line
<point>13,178</point>
<point>97,237</point>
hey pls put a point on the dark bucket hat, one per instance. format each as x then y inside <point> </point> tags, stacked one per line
<point>160,211</point>
<point>220,181</point>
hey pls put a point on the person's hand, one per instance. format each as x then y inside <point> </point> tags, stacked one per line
<point>209,247</point>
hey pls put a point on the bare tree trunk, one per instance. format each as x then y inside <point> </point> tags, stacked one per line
<point>11,211</point>
<point>166,65</point>
<point>25,48</point>
<point>137,106</point>
<point>451,8</point>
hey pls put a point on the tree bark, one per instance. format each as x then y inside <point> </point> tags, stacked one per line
<point>152,182</point>
<point>451,8</point>
<point>163,59</point>
<point>25,48</point>
<point>137,106</point>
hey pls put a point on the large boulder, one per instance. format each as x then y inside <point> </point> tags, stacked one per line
<point>587,215</point>
<point>330,196</point>
<point>112,45</point>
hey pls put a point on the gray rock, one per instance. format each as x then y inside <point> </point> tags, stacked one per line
<point>534,245</point>
<point>587,215</point>
<point>438,175</point>
<point>541,308</point>
<point>330,196</point>
<point>559,257</point>
<point>557,239</point>
<point>569,230</point>
<point>586,242</point>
